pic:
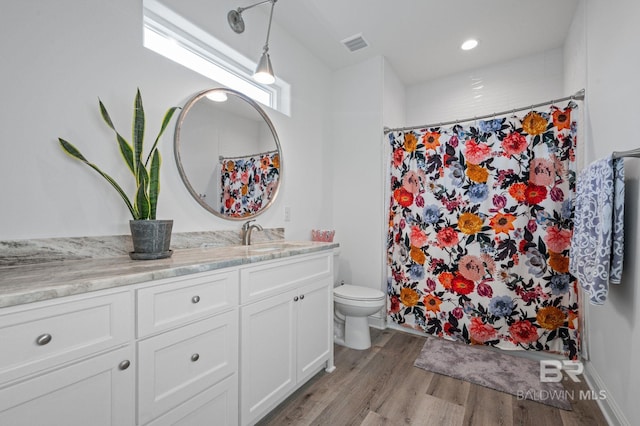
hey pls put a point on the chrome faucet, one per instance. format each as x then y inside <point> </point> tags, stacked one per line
<point>247,227</point>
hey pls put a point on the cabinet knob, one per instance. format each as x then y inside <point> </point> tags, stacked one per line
<point>43,339</point>
<point>301,296</point>
<point>195,299</point>
<point>295,299</point>
<point>124,364</point>
<point>195,357</point>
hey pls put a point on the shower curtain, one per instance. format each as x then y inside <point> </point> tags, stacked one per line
<point>248,183</point>
<point>480,221</point>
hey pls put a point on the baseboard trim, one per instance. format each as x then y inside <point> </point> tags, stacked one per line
<point>378,322</point>
<point>609,407</point>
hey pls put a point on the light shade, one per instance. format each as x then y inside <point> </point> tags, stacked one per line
<point>264,71</point>
<point>469,44</point>
<point>217,96</point>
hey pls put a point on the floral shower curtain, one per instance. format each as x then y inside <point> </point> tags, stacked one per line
<point>480,222</point>
<point>248,183</point>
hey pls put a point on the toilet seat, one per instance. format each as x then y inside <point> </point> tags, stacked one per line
<point>355,292</point>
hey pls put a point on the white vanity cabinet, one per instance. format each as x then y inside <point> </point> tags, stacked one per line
<point>219,347</point>
<point>188,350</point>
<point>68,361</point>
<point>285,328</point>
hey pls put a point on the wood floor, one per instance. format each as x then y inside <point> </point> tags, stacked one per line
<point>380,386</point>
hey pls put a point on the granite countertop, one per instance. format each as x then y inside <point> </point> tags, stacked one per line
<point>34,282</point>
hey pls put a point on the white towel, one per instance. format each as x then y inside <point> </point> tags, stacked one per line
<point>597,244</point>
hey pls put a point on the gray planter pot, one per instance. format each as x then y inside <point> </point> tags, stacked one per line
<point>151,239</point>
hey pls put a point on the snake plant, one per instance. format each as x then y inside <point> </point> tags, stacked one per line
<point>146,174</point>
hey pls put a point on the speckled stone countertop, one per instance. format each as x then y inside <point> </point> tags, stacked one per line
<point>33,282</point>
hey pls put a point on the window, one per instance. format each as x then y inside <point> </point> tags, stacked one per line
<point>174,37</point>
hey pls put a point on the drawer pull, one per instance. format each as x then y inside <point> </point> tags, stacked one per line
<point>195,357</point>
<point>195,299</point>
<point>124,364</point>
<point>301,296</point>
<point>44,339</point>
<point>295,299</point>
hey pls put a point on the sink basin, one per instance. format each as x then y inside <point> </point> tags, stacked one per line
<point>257,248</point>
<point>263,249</point>
<point>269,247</point>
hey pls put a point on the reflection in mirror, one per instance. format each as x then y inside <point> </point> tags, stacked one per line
<point>228,154</point>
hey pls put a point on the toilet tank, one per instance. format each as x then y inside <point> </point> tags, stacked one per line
<point>336,266</point>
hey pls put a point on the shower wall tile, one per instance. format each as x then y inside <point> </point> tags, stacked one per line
<point>515,84</point>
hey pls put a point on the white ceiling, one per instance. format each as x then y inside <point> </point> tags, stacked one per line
<point>421,38</point>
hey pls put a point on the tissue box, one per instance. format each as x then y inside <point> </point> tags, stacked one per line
<point>322,235</point>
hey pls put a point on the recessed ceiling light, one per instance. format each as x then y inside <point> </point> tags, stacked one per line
<point>469,44</point>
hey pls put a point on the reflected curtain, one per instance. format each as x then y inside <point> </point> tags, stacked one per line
<point>248,183</point>
<point>480,222</point>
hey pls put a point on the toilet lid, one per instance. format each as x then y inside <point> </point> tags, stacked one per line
<point>356,292</point>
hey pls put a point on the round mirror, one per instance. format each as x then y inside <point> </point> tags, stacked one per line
<point>228,154</point>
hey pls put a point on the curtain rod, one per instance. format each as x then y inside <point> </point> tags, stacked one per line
<point>632,153</point>
<point>242,157</point>
<point>579,96</point>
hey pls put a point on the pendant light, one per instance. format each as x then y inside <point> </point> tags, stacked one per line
<point>264,71</point>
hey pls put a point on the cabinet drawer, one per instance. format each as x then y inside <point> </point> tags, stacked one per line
<point>217,405</point>
<point>47,333</point>
<point>270,278</point>
<point>177,365</point>
<point>177,301</point>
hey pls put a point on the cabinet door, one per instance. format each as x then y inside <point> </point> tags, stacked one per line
<point>314,324</point>
<point>267,354</point>
<point>92,392</point>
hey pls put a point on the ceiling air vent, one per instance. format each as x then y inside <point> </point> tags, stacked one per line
<point>355,42</point>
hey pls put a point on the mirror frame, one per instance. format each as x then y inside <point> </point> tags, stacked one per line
<point>177,143</point>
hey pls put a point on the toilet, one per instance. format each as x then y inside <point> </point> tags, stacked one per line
<point>352,305</point>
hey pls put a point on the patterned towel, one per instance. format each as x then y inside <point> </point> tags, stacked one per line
<point>597,245</point>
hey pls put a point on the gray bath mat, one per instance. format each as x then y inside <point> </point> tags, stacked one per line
<point>496,370</point>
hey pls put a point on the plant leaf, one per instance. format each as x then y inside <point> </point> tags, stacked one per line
<point>125,147</point>
<point>73,151</point>
<point>138,132</point>
<point>141,203</point>
<point>165,123</point>
<point>154,183</point>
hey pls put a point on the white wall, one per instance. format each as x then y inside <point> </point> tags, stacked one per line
<point>356,144</point>
<point>496,88</point>
<point>601,54</point>
<point>394,99</point>
<point>58,57</point>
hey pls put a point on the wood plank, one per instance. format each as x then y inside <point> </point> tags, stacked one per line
<point>432,411</point>
<point>322,390</point>
<point>532,413</point>
<point>584,404</point>
<point>486,406</point>
<point>450,389</point>
<point>375,419</point>
<point>354,402</point>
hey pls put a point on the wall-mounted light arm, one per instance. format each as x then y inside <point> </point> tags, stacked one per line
<point>242,9</point>
<point>264,71</point>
